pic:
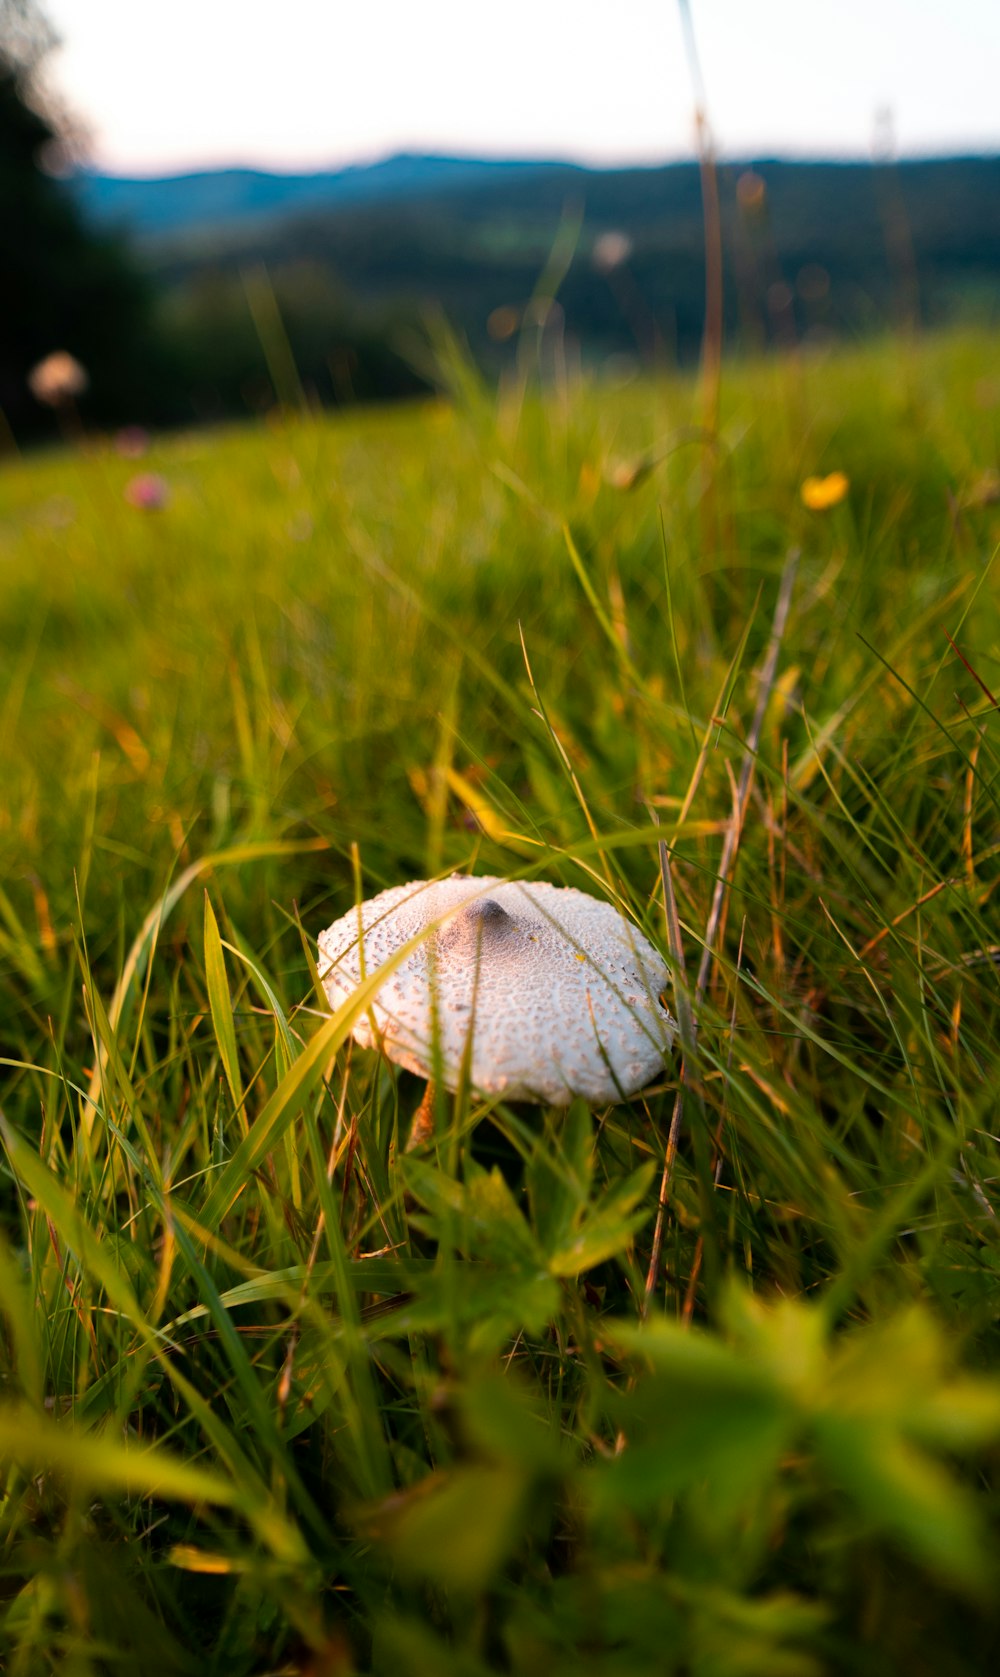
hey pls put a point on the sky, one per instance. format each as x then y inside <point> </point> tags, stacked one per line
<point>171,85</point>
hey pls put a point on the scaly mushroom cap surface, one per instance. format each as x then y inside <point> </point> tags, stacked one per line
<point>561,994</point>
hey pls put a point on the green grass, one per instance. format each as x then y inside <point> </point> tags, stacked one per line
<point>278,1398</point>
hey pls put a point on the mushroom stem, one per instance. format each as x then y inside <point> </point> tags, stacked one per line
<point>423,1120</point>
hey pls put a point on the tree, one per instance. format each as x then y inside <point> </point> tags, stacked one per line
<point>26,35</point>
<point>62,286</point>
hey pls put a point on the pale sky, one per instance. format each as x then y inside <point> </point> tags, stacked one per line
<point>288,84</point>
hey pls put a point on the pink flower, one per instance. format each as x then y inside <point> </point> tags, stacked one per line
<point>148,491</point>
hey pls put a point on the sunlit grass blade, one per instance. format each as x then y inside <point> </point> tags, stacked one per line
<point>221,1004</point>
<point>103,1465</point>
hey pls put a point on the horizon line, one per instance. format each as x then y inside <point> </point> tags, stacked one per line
<point>291,170</point>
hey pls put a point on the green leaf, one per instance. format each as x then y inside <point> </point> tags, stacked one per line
<point>477,1308</point>
<point>906,1495</point>
<point>407,1647</point>
<point>958,1415</point>
<point>728,1444</point>
<point>785,1336</point>
<point>702,1413</point>
<point>455,1529</point>
<point>438,1193</point>
<point>607,1230</point>
<point>499,1230</point>
<point>733,1636</point>
<point>480,1215</point>
<point>502,1421</point>
<point>897,1372</point>
<point>688,1357</point>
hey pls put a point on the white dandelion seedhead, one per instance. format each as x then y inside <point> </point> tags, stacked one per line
<point>58,378</point>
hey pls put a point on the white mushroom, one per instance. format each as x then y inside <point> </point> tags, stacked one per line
<point>561,995</point>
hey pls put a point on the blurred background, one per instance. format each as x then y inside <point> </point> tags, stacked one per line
<point>220,209</point>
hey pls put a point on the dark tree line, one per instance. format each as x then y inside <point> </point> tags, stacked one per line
<point>149,358</point>
<point>62,285</point>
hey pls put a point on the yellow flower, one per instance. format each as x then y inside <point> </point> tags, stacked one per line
<point>819,493</point>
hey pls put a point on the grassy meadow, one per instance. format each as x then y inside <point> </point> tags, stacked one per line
<point>707,1383</point>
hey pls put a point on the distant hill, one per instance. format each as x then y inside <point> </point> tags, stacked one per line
<point>348,267</point>
<point>958,194</point>
<point>148,206</point>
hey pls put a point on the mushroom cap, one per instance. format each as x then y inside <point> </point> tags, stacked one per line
<point>561,994</point>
